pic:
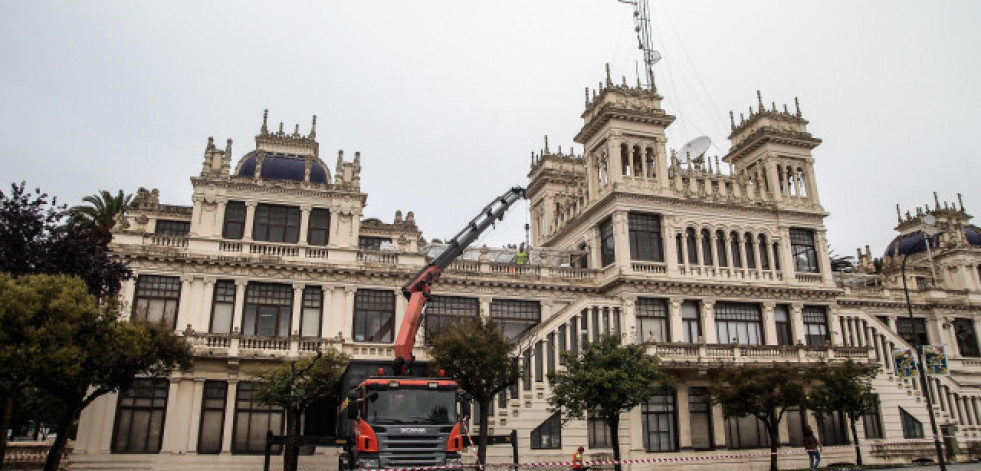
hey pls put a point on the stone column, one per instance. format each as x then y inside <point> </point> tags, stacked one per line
<point>824,260</point>
<point>811,182</point>
<point>708,323</point>
<point>713,240</point>
<point>170,442</point>
<point>769,323</point>
<point>669,245</point>
<point>832,314</point>
<point>227,428</point>
<point>797,323</point>
<point>630,318</point>
<point>219,230</point>
<point>699,253</point>
<point>742,251</point>
<point>684,419</point>
<point>194,420</point>
<point>183,317</point>
<point>774,180</point>
<point>297,310</point>
<point>204,319</point>
<point>615,161</point>
<point>240,286</point>
<point>326,325</point>
<point>485,306</point>
<point>621,237</point>
<point>674,320</point>
<point>304,223</point>
<point>348,323</point>
<point>249,220</point>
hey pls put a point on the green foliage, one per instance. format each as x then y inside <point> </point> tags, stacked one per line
<point>764,392</point>
<point>477,355</point>
<point>99,212</point>
<point>841,262</point>
<point>845,387</point>
<point>607,378</point>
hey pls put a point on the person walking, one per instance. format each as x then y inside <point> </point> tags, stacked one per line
<point>577,460</point>
<point>813,447</point>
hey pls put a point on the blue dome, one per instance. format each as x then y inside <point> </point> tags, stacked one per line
<point>280,166</point>
<point>915,242</point>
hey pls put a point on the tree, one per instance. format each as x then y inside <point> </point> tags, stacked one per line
<point>841,262</point>
<point>297,384</point>
<point>845,387</point>
<point>764,392</point>
<point>99,215</point>
<point>69,345</point>
<point>477,355</point>
<point>607,378</point>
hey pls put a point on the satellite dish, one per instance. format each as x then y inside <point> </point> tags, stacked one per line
<point>654,57</point>
<point>695,148</point>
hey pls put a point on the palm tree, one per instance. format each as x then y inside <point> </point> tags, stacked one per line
<point>99,214</point>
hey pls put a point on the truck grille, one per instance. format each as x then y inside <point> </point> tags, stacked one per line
<point>424,449</point>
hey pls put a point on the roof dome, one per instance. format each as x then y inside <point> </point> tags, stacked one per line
<point>914,242</point>
<point>281,166</point>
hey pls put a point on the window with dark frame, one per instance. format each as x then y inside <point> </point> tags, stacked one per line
<point>679,248</point>
<point>310,316</point>
<point>720,247</point>
<point>252,420</point>
<point>374,315</point>
<point>222,307</point>
<point>156,299</point>
<point>781,317</point>
<point>574,334</point>
<point>795,425</point>
<point>832,429</point>
<point>737,259</point>
<point>276,223</point>
<point>268,310</point>
<point>596,324</point>
<point>167,227</point>
<point>526,370</point>
<point>234,225</point>
<point>371,242</point>
<point>140,416</point>
<point>550,354</point>
<point>706,248</point>
<point>746,432</point>
<point>652,320</point>
<point>514,316</point>
<point>607,244</point>
<point>692,246</point>
<point>872,421</point>
<point>691,322</point>
<point>700,419</point>
<point>539,361</point>
<point>318,227</point>
<point>912,330</point>
<point>802,246</point>
<point>912,428</point>
<point>659,420</point>
<point>815,326</point>
<point>645,237</point>
<point>212,417</point>
<point>776,256</point>
<point>598,431</point>
<point>444,312</point>
<point>764,253</point>
<point>563,346</point>
<point>750,250</point>
<point>739,322</point>
<point>548,435</point>
<point>967,339</point>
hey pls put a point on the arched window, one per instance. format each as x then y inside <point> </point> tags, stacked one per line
<point>681,252</point>
<point>692,247</point>
<point>764,253</point>
<point>750,252</point>
<point>720,247</point>
<point>737,261</point>
<point>706,247</point>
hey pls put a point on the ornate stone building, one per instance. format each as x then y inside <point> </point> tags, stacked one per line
<point>706,268</point>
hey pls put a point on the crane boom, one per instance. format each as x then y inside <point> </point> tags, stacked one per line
<point>417,291</point>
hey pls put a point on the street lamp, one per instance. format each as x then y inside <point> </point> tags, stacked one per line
<point>928,231</point>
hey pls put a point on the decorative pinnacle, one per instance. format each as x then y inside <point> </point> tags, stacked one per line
<point>280,127</point>
<point>296,130</point>
<point>759,98</point>
<point>936,201</point>
<point>587,96</point>
<point>797,104</point>
<point>313,127</point>
<point>609,83</point>
<point>546,144</point>
<point>899,214</point>
<point>732,121</point>
<point>265,119</point>
<point>961,201</point>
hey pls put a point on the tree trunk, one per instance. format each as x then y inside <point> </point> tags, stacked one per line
<point>5,417</point>
<point>484,429</point>
<point>58,447</point>
<point>774,432</point>
<point>290,451</point>
<point>614,422</point>
<point>858,449</point>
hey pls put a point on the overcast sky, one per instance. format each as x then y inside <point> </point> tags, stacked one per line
<point>446,100</point>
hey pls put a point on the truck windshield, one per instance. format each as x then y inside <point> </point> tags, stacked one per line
<point>412,406</point>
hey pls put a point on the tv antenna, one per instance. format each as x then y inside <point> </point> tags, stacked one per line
<point>642,25</point>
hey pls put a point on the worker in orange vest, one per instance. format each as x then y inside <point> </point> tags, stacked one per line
<point>577,460</point>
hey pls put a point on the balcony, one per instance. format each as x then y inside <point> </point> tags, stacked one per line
<point>698,356</point>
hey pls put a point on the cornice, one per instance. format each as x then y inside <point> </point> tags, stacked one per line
<point>770,134</point>
<point>610,111</point>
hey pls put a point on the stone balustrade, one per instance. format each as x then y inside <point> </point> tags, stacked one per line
<point>682,354</point>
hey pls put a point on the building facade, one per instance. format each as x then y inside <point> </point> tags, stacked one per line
<point>705,267</point>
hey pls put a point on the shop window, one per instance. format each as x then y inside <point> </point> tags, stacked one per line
<point>598,431</point>
<point>746,432</point>
<point>700,419</point>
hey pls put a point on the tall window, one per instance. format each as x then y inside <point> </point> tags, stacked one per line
<point>598,432</point>
<point>679,248</point>
<point>563,346</point>
<point>172,228</point>
<point>652,320</point>
<point>596,324</point>
<point>140,417</point>
<point>574,334</point>
<point>720,248</point>
<point>739,322</point>
<point>764,253</point>
<point>815,326</point>
<point>444,312</point>
<point>539,361</point>
<point>795,425</point>
<point>313,302</point>
<point>832,429</point>
<point>691,323</point>
<point>212,417</point>
<point>275,223</point>
<point>700,419</point>
<point>253,419</point>
<point>234,226</point>
<point>706,247</point>
<point>781,317</point>
<point>912,428</point>
<point>737,260</point>
<point>746,432</point>
<point>607,251</point>
<point>526,370</point>
<point>223,307</point>
<point>750,252</point>
<point>776,256</point>
<point>967,340</point>
<point>156,299</point>
<point>658,416</point>
<point>692,246</point>
<point>872,421</point>
<point>802,245</point>
<point>582,259</point>
<point>550,354</point>
<point>372,243</point>
<point>548,435</point>
<point>515,317</point>
<point>318,227</point>
<point>912,330</point>
<point>374,315</point>
<point>268,310</point>
<point>645,237</point>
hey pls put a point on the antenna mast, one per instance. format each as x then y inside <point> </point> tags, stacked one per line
<point>642,25</point>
